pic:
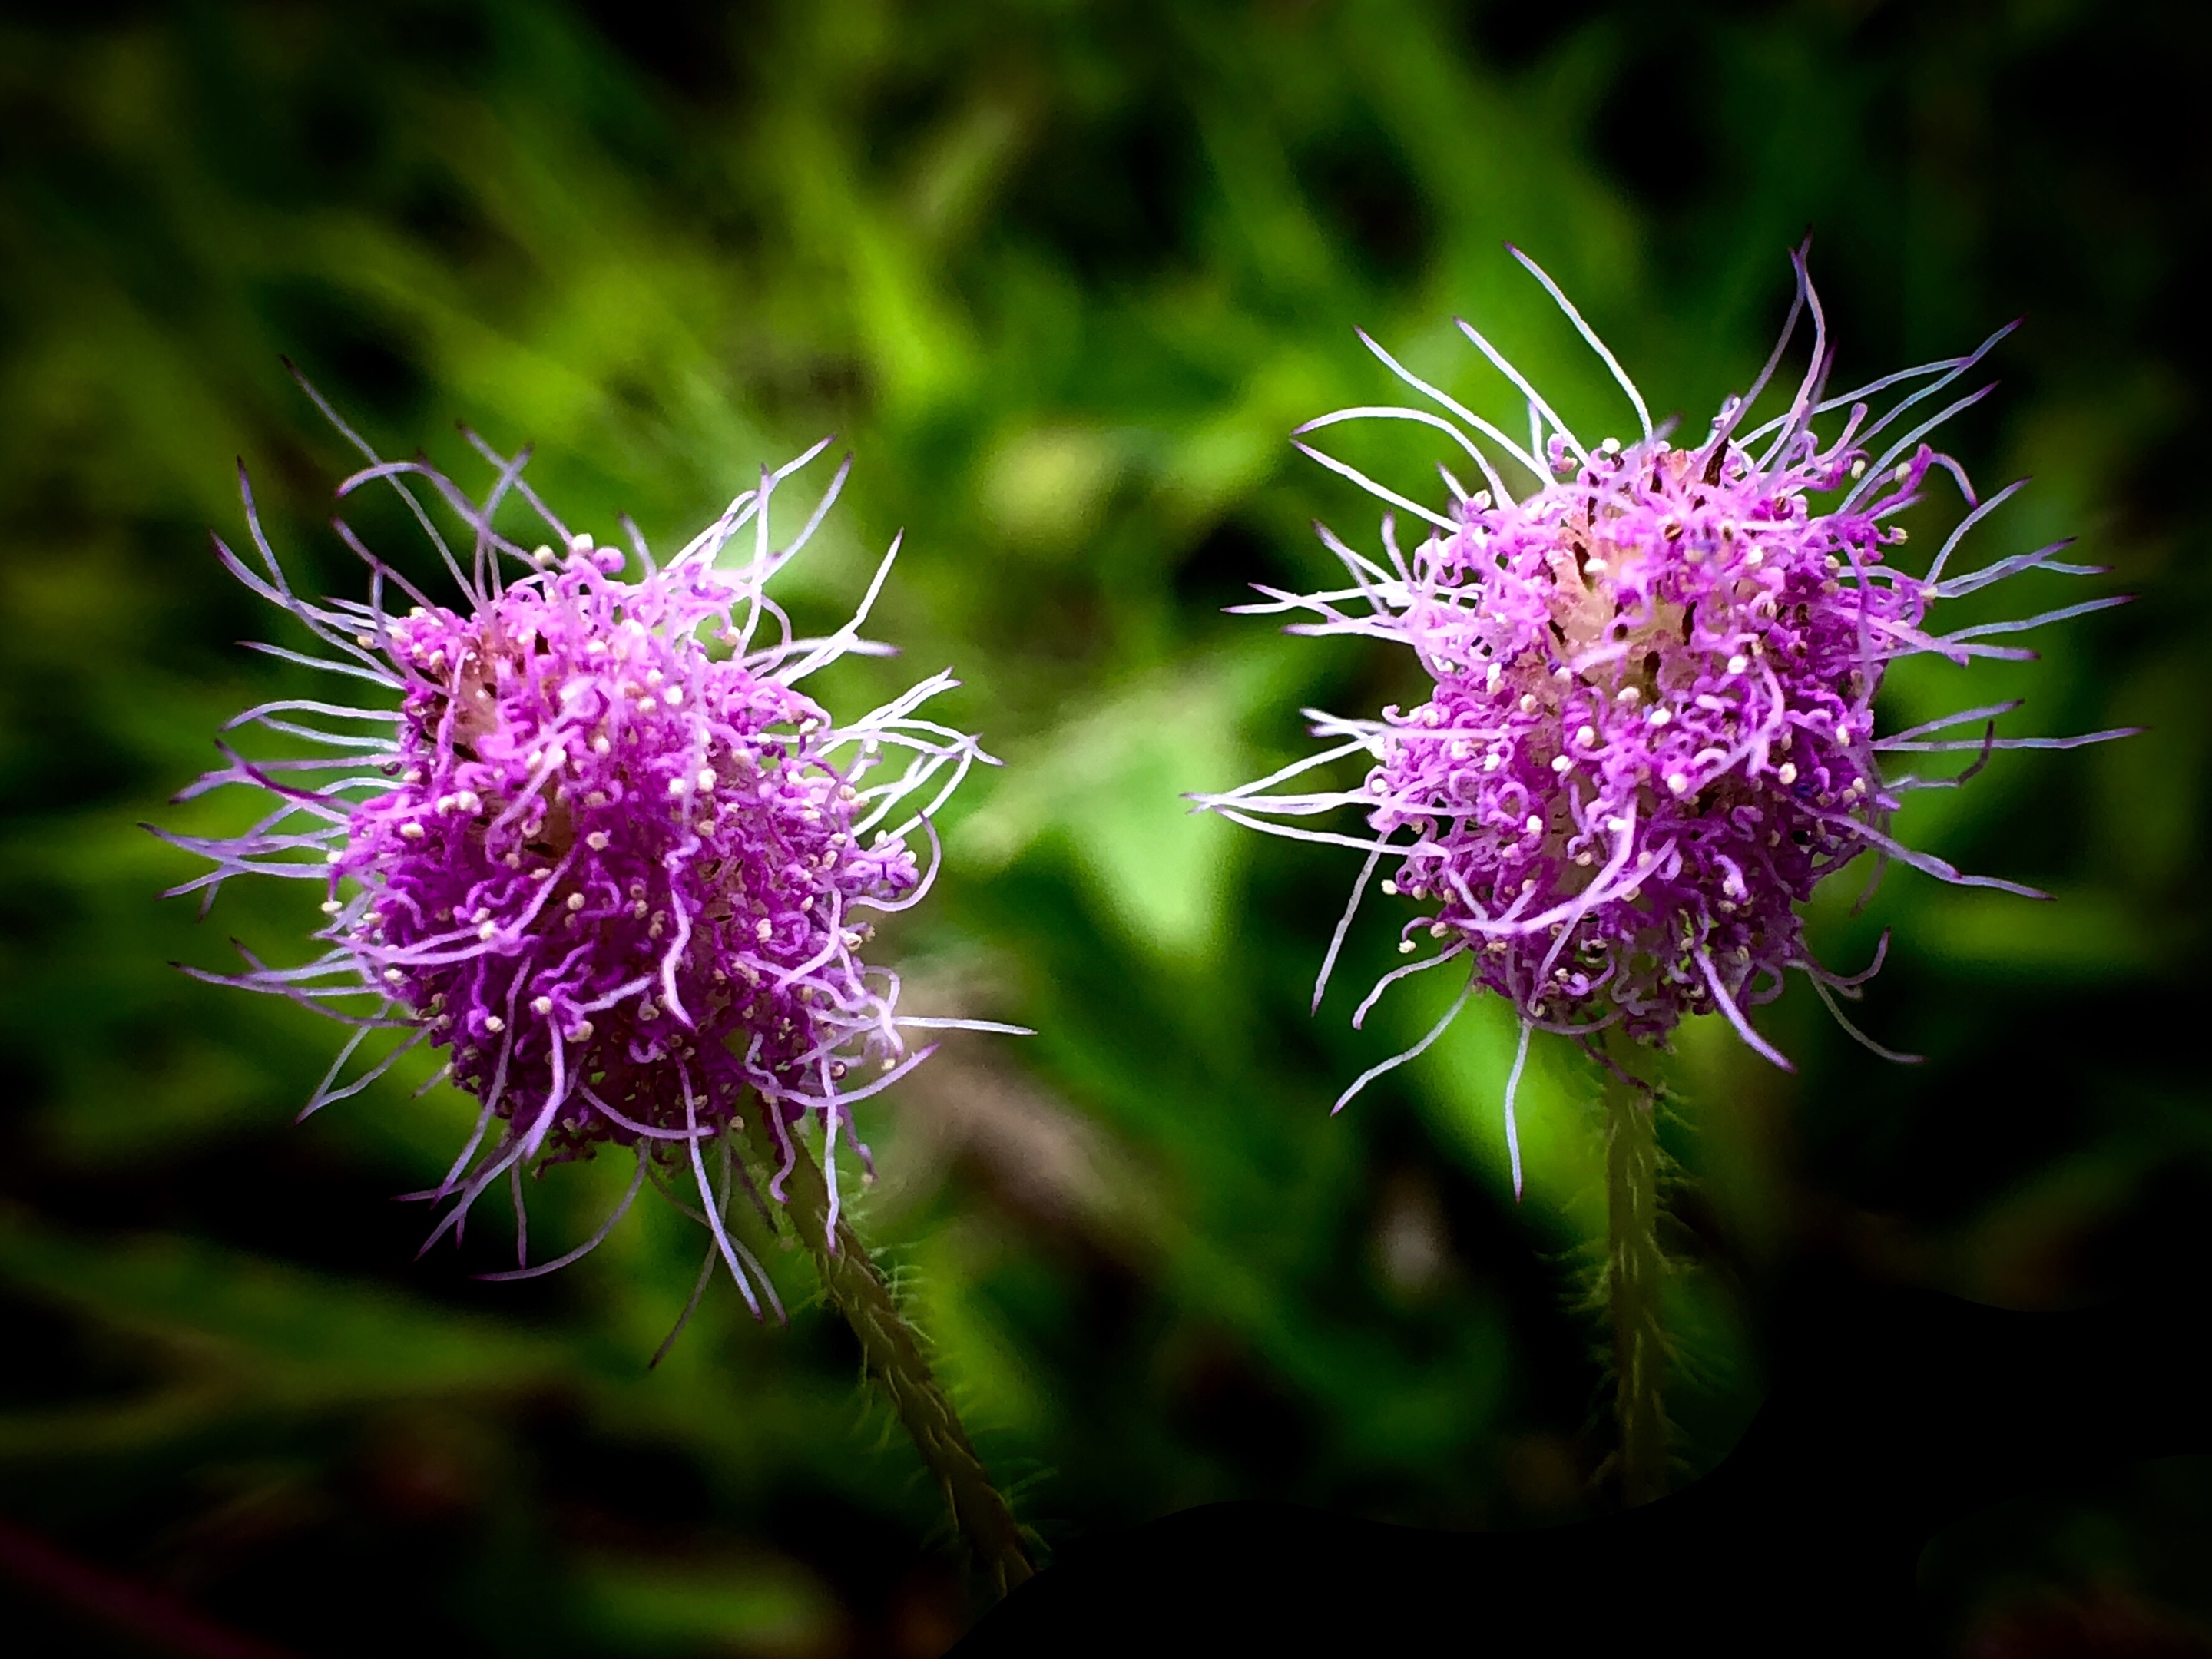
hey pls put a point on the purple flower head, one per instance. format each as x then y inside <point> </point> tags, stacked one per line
<point>610,857</point>
<point>1652,730</point>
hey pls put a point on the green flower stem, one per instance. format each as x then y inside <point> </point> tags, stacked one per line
<point>893,1351</point>
<point>1634,1276</point>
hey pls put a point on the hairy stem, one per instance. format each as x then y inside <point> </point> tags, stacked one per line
<point>893,1351</point>
<point>1634,1273</point>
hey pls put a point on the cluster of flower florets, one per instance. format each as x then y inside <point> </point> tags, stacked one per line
<point>609,853</point>
<point>1650,735</point>
<point>609,858</point>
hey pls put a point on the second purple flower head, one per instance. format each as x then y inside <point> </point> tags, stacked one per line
<point>1652,730</point>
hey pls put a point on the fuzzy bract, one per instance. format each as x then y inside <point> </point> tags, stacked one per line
<point>1650,730</point>
<point>592,840</point>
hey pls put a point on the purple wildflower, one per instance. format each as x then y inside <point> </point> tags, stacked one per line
<point>1651,733</point>
<point>610,857</point>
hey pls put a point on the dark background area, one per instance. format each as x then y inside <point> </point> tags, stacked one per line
<point>1064,276</point>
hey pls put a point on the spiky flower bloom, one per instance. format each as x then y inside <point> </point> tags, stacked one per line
<point>1652,730</point>
<point>610,857</point>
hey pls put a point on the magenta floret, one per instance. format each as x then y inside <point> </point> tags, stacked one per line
<point>1651,733</point>
<point>610,857</point>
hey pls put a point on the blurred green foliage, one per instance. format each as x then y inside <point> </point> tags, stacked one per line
<point>1063,277</point>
